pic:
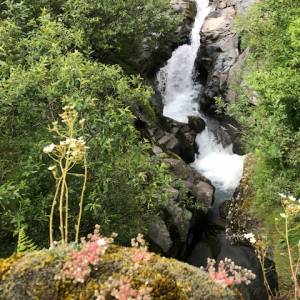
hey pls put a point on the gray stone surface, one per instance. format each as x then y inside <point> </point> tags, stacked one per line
<point>220,52</point>
<point>159,235</point>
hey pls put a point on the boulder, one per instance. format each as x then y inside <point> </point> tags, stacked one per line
<point>178,138</point>
<point>159,235</point>
<point>196,124</point>
<point>203,192</point>
<point>199,186</point>
<point>246,258</point>
<point>199,254</point>
<point>34,275</point>
<point>179,218</point>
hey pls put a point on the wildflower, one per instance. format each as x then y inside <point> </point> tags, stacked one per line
<point>121,289</point>
<point>282,215</point>
<point>292,198</point>
<point>250,237</point>
<point>227,273</point>
<point>52,168</point>
<point>49,148</point>
<point>141,255</point>
<point>80,262</point>
<point>282,195</point>
<point>81,122</point>
<point>138,241</point>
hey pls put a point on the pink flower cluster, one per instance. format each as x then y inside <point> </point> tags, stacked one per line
<point>141,255</point>
<point>121,289</point>
<point>228,273</point>
<point>81,261</point>
<point>141,252</point>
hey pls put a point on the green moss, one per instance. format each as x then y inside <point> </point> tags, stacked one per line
<point>265,216</point>
<point>32,276</point>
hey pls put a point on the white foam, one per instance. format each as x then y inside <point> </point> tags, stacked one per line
<point>175,80</point>
<point>180,92</point>
<point>219,164</point>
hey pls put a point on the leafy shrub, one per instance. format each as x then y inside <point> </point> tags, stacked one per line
<point>42,70</point>
<point>271,127</point>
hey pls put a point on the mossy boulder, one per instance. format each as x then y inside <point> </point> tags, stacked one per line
<point>34,276</point>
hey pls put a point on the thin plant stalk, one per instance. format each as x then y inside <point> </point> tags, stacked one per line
<point>293,271</point>
<point>81,200</point>
<point>66,154</point>
<point>52,211</point>
<point>66,212</point>
<point>61,201</point>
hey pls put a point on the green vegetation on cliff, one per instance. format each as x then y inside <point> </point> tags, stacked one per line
<point>56,53</point>
<point>270,29</point>
<point>269,111</point>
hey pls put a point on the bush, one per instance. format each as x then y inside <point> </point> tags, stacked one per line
<point>271,127</point>
<point>42,70</point>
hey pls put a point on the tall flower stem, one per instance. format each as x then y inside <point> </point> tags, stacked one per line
<point>293,271</point>
<point>52,211</point>
<point>81,200</point>
<point>69,152</point>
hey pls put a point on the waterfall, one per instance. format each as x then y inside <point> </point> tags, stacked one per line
<point>180,93</point>
<point>175,80</point>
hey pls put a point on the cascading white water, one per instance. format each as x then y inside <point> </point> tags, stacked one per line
<point>175,80</point>
<point>220,165</point>
<point>180,92</point>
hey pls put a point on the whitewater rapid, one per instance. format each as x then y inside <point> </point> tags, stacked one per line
<point>175,80</point>
<point>180,93</point>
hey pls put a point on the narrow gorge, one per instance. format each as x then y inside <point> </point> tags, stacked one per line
<point>196,73</point>
<point>149,149</point>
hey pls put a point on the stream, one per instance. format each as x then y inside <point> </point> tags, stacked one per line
<point>180,93</point>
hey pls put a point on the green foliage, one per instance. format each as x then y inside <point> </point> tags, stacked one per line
<point>115,29</point>
<point>271,127</point>
<point>42,69</point>
<point>24,243</point>
<point>135,34</point>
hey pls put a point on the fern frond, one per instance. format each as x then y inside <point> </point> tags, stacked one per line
<point>24,243</point>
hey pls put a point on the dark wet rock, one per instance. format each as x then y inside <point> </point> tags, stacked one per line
<point>159,235</point>
<point>227,132</point>
<point>246,258</point>
<point>186,134</point>
<point>196,124</point>
<point>199,186</point>
<point>220,52</point>
<point>177,138</point>
<point>180,218</point>
<point>203,193</point>
<point>200,253</point>
<point>224,209</point>
<point>238,223</point>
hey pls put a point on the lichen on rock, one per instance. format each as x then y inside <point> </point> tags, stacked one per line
<point>33,276</point>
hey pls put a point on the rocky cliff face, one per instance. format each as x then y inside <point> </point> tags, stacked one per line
<point>220,51</point>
